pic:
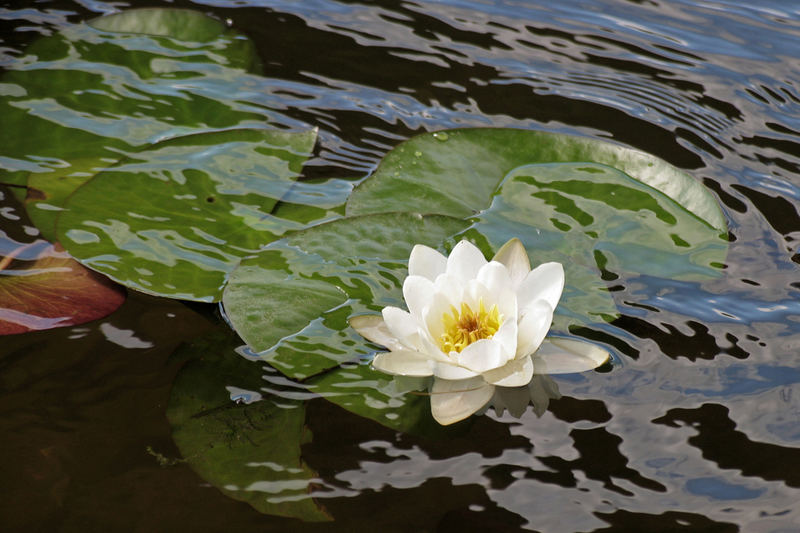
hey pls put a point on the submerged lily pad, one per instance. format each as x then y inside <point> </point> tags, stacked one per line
<point>455,172</point>
<point>292,301</point>
<point>163,72</point>
<point>249,450</point>
<point>180,24</point>
<point>175,219</point>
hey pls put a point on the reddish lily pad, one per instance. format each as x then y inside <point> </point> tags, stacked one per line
<point>41,286</point>
<point>51,290</point>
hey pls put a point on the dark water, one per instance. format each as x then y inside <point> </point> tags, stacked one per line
<point>698,428</point>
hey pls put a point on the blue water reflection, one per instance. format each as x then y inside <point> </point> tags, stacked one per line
<point>721,490</point>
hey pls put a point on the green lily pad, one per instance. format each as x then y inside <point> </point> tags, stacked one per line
<point>455,172</point>
<point>399,403</point>
<point>48,192</point>
<point>175,219</point>
<point>163,72</point>
<point>593,218</point>
<point>292,301</point>
<point>599,223</point>
<point>249,450</point>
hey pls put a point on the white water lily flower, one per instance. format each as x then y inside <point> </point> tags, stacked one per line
<point>474,324</point>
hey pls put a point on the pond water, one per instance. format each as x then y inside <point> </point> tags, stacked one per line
<point>696,427</point>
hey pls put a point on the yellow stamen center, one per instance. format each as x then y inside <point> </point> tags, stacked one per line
<point>462,328</point>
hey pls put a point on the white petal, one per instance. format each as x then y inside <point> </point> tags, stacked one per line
<point>452,401</point>
<point>496,289</point>
<point>507,304</point>
<point>465,261</point>
<point>506,299</point>
<point>513,255</point>
<point>450,371</point>
<point>402,326</point>
<point>515,373</point>
<point>473,292</point>
<point>432,349</point>
<point>482,355</point>
<point>494,276</point>
<point>432,318</point>
<point>557,355</point>
<point>403,363</point>
<point>545,282</point>
<point>373,328</point>
<point>507,337</point>
<point>426,262</point>
<point>417,292</point>
<point>533,327</point>
<point>451,288</point>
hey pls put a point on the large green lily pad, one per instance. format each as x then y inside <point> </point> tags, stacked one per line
<point>175,219</point>
<point>292,301</point>
<point>455,172</point>
<point>600,224</point>
<point>48,192</point>
<point>248,450</point>
<point>120,83</point>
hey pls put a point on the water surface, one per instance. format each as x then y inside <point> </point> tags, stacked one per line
<point>697,428</point>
